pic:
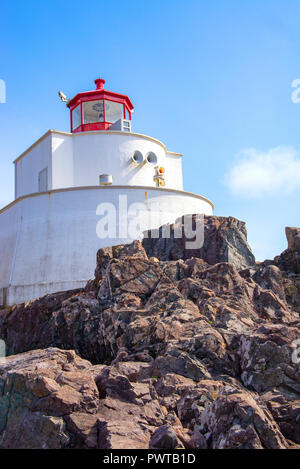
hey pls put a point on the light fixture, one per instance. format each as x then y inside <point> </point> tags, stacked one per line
<point>63,97</point>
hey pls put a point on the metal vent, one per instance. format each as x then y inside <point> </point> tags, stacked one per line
<point>105,179</point>
<point>124,125</point>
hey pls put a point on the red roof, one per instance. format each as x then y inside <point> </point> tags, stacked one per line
<point>100,93</point>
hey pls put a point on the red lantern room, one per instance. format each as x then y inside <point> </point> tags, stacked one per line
<point>99,109</point>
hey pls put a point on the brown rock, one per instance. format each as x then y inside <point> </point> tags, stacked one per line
<point>235,420</point>
<point>286,412</point>
<point>289,260</point>
<point>165,438</point>
<point>266,359</point>
<point>53,399</point>
<point>195,351</point>
<point>225,240</point>
<point>38,389</point>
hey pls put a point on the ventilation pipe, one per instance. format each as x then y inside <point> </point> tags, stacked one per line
<point>151,158</point>
<point>137,158</point>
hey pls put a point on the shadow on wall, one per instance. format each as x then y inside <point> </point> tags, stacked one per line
<point>140,162</point>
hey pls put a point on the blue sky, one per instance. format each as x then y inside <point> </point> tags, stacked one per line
<point>211,79</point>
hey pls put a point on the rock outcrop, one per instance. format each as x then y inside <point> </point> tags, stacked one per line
<point>289,264</point>
<point>164,348</point>
<point>224,239</point>
<point>289,260</point>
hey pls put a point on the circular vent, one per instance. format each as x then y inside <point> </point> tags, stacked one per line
<point>151,158</point>
<point>137,158</point>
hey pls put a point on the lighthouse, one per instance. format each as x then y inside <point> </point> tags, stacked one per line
<point>98,185</point>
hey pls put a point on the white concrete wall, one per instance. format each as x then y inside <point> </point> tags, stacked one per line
<point>174,174</point>
<point>77,160</point>
<point>62,161</point>
<point>10,224</point>
<point>48,242</point>
<point>28,167</point>
<point>110,153</point>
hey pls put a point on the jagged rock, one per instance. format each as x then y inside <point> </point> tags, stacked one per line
<point>270,278</point>
<point>266,360</point>
<point>180,363</point>
<point>289,260</point>
<point>197,440</point>
<point>165,437</point>
<point>286,412</point>
<point>236,420</point>
<point>66,320</point>
<point>38,389</point>
<point>53,399</point>
<point>224,240</point>
<point>23,326</point>
<point>282,275</point>
<point>289,264</point>
<point>196,352</point>
<point>135,371</point>
<point>293,238</point>
<point>230,301</point>
<point>292,291</point>
<point>129,276</point>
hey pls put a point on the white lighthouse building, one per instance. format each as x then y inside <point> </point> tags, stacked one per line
<point>73,188</point>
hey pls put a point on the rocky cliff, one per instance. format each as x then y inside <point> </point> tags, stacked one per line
<point>165,348</point>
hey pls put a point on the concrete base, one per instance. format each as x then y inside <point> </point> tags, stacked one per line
<point>49,241</point>
<point>18,294</point>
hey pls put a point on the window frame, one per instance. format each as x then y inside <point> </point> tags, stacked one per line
<point>43,171</point>
<point>72,120</point>
<point>116,102</point>
<point>83,111</point>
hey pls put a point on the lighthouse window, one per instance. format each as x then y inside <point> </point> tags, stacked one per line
<point>76,117</point>
<point>113,111</point>
<point>43,180</point>
<point>93,111</point>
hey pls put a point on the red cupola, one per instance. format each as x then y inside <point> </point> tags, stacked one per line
<point>98,109</point>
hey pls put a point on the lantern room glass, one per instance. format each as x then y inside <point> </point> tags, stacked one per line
<point>76,117</point>
<point>93,111</point>
<point>113,111</point>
